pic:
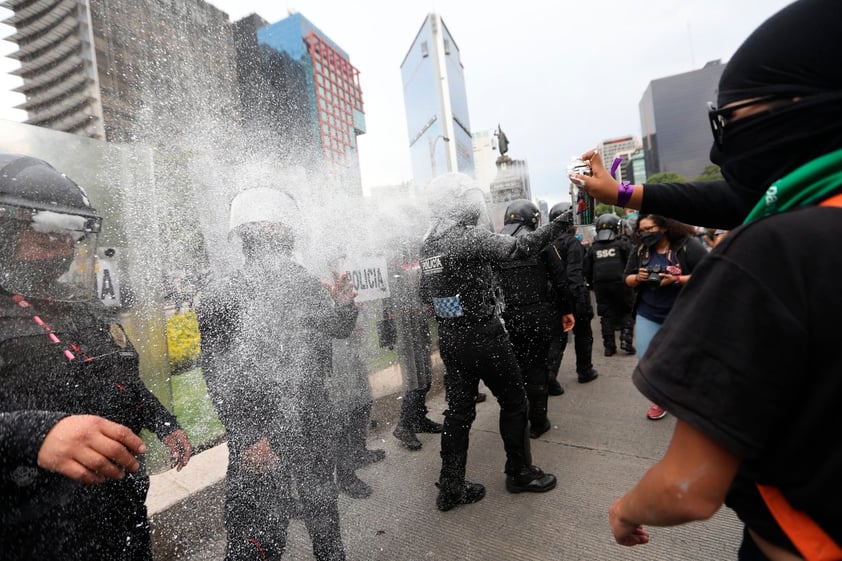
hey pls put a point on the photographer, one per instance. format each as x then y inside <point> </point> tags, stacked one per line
<point>666,254</point>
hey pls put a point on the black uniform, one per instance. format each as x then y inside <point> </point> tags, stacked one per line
<point>535,293</point>
<point>44,514</point>
<point>413,342</point>
<point>605,268</point>
<point>568,250</point>
<point>458,280</point>
<point>266,350</point>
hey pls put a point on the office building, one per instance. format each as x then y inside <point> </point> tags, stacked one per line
<point>300,85</point>
<point>673,121</point>
<point>623,147</point>
<point>436,104</point>
<point>116,70</point>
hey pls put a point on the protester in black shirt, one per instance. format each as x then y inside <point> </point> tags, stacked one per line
<point>747,358</point>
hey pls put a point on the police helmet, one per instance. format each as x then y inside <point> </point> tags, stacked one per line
<point>563,213</point>
<point>521,212</point>
<point>558,208</point>
<point>264,218</point>
<point>607,227</point>
<point>457,196</point>
<point>48,231</point>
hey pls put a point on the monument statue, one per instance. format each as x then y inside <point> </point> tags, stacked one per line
<point>502,141</point>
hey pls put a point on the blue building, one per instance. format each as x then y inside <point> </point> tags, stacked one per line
<point>436,104</point>
<point>301,86</point>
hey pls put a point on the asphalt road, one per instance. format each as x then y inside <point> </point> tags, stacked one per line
<point>599,446</point>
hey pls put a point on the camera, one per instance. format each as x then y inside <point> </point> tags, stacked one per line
<point>579,166</point>
<point>655,273</point>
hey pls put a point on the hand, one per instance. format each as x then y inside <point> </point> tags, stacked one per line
<point>180,449</point>
<point>599,185</point>
<point>642,275</point>
<point>567,322</point>
<point>625,533</point>
<point>341,290</point>
<point>259,457</point>
<point>90,449</point>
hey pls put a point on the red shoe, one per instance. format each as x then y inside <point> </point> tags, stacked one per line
<point>655,412</point>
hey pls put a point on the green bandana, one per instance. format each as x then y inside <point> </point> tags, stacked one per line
<point>809,184</point>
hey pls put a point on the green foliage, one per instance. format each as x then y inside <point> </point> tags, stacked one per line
<point>194,409</point>
<point>183,342</point>
<point>710,172</point>
<point>603,208</point>
<point>195,414</point>
<point>666,177</point>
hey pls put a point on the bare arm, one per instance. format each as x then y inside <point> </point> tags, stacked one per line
<point>689,483</point>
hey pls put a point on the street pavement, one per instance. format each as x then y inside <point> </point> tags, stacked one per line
<point>601,443</point>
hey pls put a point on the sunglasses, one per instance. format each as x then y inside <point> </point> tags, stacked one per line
<point>720,117</point>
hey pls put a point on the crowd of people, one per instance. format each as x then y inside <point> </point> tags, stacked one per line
<point>705,315</point>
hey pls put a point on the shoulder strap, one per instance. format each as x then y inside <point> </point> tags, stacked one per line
<point>813,542</point>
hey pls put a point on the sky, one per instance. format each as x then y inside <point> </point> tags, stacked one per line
<point>558,77</point>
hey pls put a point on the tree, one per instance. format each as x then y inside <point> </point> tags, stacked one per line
<point>603,208</point>
<point>710,172</point>
<point>666,177</point>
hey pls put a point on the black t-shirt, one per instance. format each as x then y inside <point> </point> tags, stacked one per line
<point>750,355</point>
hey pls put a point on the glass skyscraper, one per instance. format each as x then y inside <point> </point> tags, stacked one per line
<point>436,104</point>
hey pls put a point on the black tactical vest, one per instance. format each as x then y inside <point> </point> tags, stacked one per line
<point>609,261</point>
<point>457,287</point>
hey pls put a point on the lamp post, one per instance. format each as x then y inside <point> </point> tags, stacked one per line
<point>433,141</point>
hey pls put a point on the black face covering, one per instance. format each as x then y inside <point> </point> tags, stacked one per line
<point>794,53</point>
<point>651,239</point>
<point>762,148</point>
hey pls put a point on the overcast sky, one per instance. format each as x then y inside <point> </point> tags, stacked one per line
<point>558,76</point>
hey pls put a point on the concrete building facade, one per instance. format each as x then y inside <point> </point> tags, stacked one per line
<point>113,69</point>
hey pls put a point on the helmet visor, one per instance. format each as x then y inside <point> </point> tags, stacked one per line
<point>605,235</point>
<point>47,254</point>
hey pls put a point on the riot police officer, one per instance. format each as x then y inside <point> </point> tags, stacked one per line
<point>62,351</point>
<point>267,335</point>
<point>536,300</point>
<point>614,299</point>
<point>568,253</point>
<point>457,279</point>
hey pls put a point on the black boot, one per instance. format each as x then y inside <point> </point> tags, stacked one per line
<point>589,376</point>
<point>530,479</point>
<point>554,388</point>
<point>451,496</point>
<point>608,341</point>
<point>368,457</point>
<point>626,335</point>
<point>537,394</point>
<point>348,483</point>
<point>427,425</point>
<point>407,437</point>
<point>536,430</point>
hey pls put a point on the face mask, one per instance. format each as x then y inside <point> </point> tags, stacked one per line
<point>760,149</point>
<point>651,239</point>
